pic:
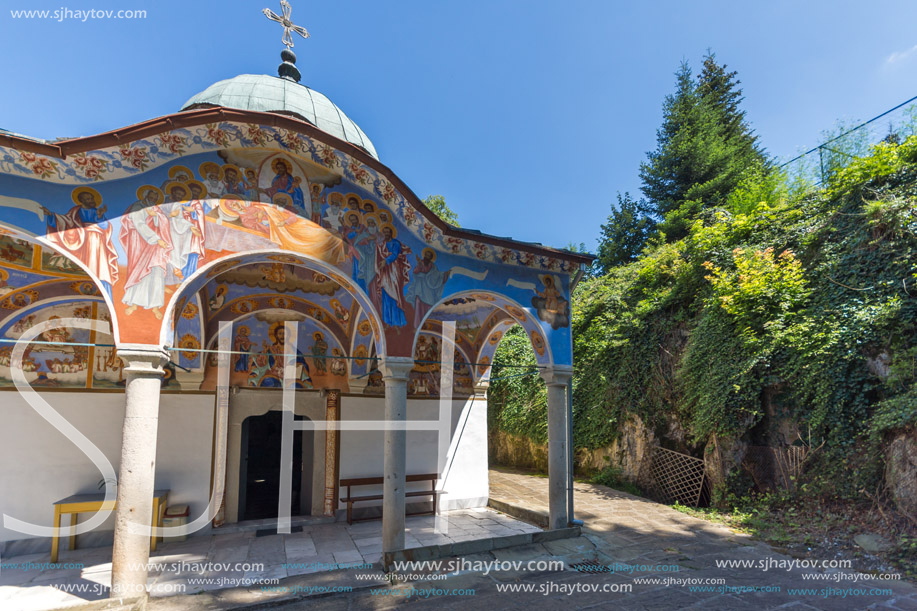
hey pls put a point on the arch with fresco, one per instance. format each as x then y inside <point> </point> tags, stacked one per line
<point>258,222</point>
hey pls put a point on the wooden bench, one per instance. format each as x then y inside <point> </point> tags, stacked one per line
<point>350,499</point>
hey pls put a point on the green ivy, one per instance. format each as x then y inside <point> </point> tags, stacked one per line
<point>806,294</point>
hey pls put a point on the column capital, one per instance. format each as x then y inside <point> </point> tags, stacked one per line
<point>396,367</point>
<point>557,375</point>
<point>189,380</point>
<point>143,359</point>
<point>481,388</point>
<point>357,385</point>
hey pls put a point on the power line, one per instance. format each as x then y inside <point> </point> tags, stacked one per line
<point>861,125</point>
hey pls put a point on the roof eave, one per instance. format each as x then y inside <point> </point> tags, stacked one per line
<point>193,118</point>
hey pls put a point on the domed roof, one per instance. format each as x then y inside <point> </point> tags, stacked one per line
<point>265,93</point>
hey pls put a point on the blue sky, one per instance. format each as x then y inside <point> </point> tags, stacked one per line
<point>527,116</point>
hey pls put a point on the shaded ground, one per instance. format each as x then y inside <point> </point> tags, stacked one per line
<point>215,562</point>
<point>822,531</point>
<point>635,540</point>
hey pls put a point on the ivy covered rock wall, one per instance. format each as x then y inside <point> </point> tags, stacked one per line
<point>786,316</point>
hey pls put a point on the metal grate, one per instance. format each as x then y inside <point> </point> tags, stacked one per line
<point>678,476</point>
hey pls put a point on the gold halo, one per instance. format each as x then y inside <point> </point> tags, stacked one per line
<point>232,206</point>
<point>317,336</point>
<point>4,275</point>
<point>243,330</point>
<point>281,196</point>
<point>210,165</point>
<point>371,203</point>
<point>390,226</point>
<point>428,250</point>
<point>287,165</point>
<point>230,166</point>
<point>380,214</point>
<point>175,169</point>
<point>546,277</point>
<point>180,185</point>
<point>142,191</point>
<point>199,184</point>
<point>350,213</point>
<point>351,196</point>
<point>80,190</point>
<point>272,330</point>
<point>371,216</point>
<point>336,197</point>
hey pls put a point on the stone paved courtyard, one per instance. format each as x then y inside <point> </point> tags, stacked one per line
<point>620,528</point>
<point>640,539</point>
<point>318,548</point>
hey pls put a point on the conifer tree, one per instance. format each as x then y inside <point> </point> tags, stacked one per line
<point>625,234</point>
<point>703,147</point>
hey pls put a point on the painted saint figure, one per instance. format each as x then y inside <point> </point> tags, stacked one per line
<point>178,173</point>
<point>285,182</point>
<point>338,363</point>
<point>393,271</point>
<point>353,232</point>
<point>212,175</point>
<point>199,192</point>
<point>251,184</point>
<point>147,240</point>
<point>551,305</point>
<point>275,361</point>
<point>319,352</point>
<point>332,218</point>
<point>427,288</point>
<point>340,312</point>
<point>85,233</point>
<point>365,246</point>
<point>242,344</point>
<point>217,299</point>
<point>318,201</point>
<point>232,181</point>
<point>186,220</point>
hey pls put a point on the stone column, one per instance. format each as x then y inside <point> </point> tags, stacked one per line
<point>332,452</point>
<point>556,379</point>
<point>143,377</point>
<point>395,372</point>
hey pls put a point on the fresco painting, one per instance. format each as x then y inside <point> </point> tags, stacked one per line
<point>258,348</point>
<point>426,375</point>
<point>372,265</point>
<point>64,358</point>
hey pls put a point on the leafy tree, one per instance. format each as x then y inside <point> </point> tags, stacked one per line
<point>703,148</point>
<point>437,203</point>
<point>627,231</point>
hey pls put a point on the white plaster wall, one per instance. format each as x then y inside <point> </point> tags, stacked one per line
<point>39,466</point>
<point>466,481</point>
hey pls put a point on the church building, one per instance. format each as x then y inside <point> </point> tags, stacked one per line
<point>170,290</point>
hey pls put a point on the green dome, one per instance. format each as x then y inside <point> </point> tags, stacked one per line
<point>273,94</point>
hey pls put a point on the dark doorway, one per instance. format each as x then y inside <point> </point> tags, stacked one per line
<point>260,468</point>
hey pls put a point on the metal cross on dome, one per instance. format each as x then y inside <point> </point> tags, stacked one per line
<point>288,25</point>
